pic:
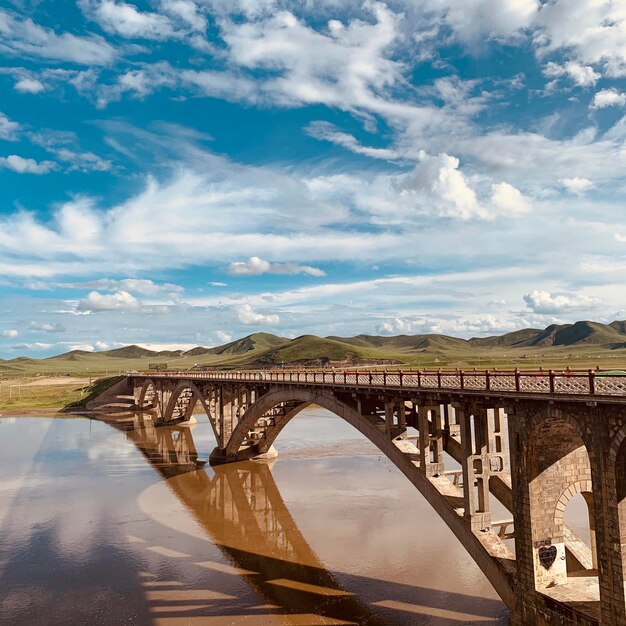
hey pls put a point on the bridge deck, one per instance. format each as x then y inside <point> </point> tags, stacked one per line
<point>575,385</point>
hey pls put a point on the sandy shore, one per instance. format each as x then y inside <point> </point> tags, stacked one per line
<point>25,412</point>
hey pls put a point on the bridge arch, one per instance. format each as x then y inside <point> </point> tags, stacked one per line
<point>497,572</point>
<point>190,404</point>
<point>559,467</point>
<point>148,387</point>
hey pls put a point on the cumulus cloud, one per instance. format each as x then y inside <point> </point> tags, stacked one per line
<point>509,200</point>
<point>255,266</point>
<point>178,17</point>
<point>441,179</point>
<point>47,327</point>
<point>126,20</point>
<point>141,286</point>
<point>22,37</point>
<point>223,337</point>
<point>608,98</point>
<point>26,166</point>
<point>340,65</point>
<point>248,316</point>
<point>119,301</point>
<point>474,20</point>
<point>29,85</point>
<point>32,346</point>
<point>8,128</point>
<point>11,333</point>
<point>576,185</point>
<point>593,34</point>
<point>549,303</point>
<point>581,75</point>
<point>455,326</point>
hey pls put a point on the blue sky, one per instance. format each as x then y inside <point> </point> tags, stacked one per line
<point>184,172</point>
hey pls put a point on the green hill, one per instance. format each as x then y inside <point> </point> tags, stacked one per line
<point>582,344</point>
<point>129,352</point>
<point>252,343</point>
<point>311,348</point>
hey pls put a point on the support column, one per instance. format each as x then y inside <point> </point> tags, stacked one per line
<point>475,463</point>
<point>431,440</point>
<point>389,408</point>
<point>402,418</point>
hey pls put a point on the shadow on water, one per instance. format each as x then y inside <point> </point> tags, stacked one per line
<point>243,513</point>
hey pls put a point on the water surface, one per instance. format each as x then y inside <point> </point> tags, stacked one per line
<point>104,526</point>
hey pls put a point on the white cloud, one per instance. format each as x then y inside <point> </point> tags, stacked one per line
<point>126,20</point>
<point>83,347</point>
<point>101,345</point>
<point>223,336</point>
<point>548,303</point>
<point>453,325</point>
<point>441,179</point>
<point>29,85</point>
<point>248,316</point>
<point>214,283</point>
<point>11,333</point>
<point>140,286</point>
<point>22,37</point>
<point>576,185</point>
<point>26,166</point>
<point>255,266</point>
<point>8,128</point>
<point>38,346</point>
<point>47,327</point>
<point>119,301</point>
<point>593,33</point>
<point>328,132</point>
<point>342,66</point>
<point>581,75</point>
<point>82,161</point>
<point>509,200</point>
<point>608,98</point>
<point>187,11</point>
<point>474,20</point>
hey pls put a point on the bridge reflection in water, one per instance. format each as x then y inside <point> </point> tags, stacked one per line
<point>244,514</point>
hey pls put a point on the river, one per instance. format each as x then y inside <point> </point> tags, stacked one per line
<point>104,525</point>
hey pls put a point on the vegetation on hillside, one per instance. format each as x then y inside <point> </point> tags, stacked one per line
<point>583,344</point>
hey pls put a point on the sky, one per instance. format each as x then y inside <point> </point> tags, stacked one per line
<point>177,173</point>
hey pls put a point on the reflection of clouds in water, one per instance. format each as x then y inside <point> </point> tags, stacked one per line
<point>317,430</point>
<point>110,448</point>
<point>361,519</point>
<point>160,504</point>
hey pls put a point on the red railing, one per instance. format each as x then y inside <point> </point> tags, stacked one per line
<point>566,382</point>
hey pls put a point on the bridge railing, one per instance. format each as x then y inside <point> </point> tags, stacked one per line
<point>567,382</point>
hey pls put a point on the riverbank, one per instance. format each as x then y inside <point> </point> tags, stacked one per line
<point>49,394</point>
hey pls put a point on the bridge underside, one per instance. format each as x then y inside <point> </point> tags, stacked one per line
<point>532,456</point>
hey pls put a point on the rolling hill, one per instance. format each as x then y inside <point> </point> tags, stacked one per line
<point>581,344</point>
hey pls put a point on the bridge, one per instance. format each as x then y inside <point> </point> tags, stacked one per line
<point>532,440</point>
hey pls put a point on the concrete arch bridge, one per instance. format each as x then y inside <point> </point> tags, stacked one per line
<point>532,440</point>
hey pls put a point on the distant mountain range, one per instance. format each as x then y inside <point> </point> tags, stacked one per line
<point>557,341</point>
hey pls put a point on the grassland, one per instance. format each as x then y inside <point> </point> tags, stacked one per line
<point>66,378</point>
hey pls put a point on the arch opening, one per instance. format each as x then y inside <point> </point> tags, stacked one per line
<point>184,401</point>
<point>579,517</point>
<point>560,469</point>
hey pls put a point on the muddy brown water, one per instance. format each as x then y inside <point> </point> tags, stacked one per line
<point>103,525</point>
